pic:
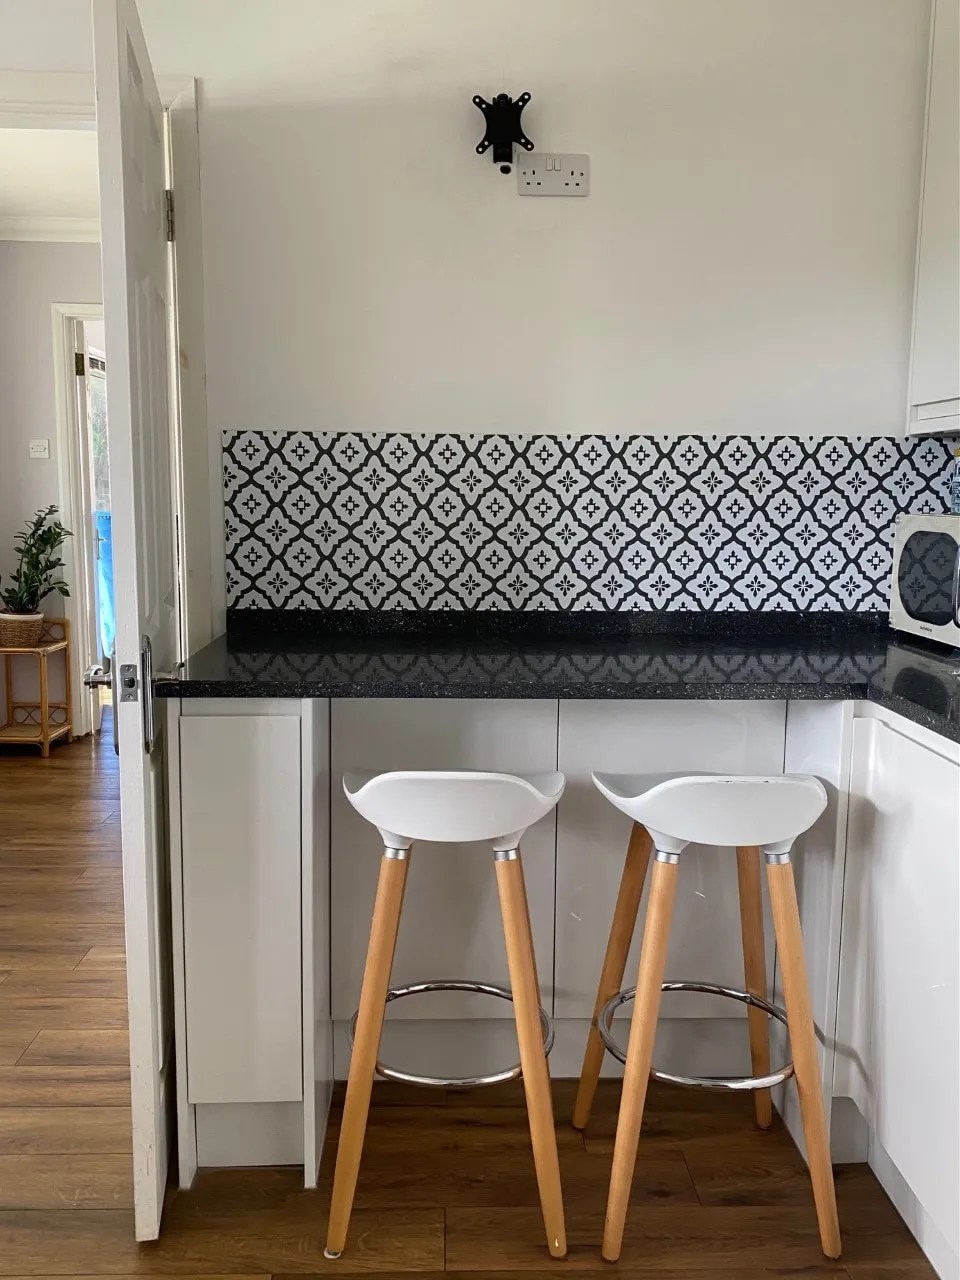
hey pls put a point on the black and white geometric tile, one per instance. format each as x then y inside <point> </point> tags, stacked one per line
<point>443,521</point>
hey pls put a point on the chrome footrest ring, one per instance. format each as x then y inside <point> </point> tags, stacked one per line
<point>746,1083</point>
<point>454,1082</point>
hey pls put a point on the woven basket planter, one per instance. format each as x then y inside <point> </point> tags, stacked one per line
<point>20,630</point>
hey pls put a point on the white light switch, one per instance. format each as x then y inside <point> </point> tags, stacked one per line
<point>39,448</point>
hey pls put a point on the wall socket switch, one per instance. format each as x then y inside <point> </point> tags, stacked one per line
<point>39,448</point>
<point>550,173</point>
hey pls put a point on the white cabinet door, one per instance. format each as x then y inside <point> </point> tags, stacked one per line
<point>240,833</point>
<point>650,737</point>
<point>935,368</point>
<point>450,927</point>
<point>899,1017</point>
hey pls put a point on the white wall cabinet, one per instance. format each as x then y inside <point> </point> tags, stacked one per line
<point>451,926</point>
<point>898,1053</point>
<point>935,360</point>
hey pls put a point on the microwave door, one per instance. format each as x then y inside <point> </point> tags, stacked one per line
<point>927,577</point>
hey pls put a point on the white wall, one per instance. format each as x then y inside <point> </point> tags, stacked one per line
<point>743,264</point>
<point>32,277</point>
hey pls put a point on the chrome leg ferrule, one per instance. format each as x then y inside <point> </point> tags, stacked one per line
<point>395,855</point>
<point>777,859</point>
<point>506,855</point>
<point>671,859</point>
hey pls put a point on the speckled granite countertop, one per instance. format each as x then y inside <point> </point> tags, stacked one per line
<point>452,655</point>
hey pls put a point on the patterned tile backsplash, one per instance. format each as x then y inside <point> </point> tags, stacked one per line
<point>389,521</point>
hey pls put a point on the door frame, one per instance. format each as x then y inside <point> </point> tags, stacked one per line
<point>67,100</point>
<point>73,502</point>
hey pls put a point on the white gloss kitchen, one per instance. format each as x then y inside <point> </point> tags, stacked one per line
<point>547,668</point>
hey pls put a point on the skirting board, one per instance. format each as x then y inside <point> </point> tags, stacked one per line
<point>924,1230</point>
<point>231,1134</point>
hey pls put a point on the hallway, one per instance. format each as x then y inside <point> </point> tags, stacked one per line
<point>64,1088</point>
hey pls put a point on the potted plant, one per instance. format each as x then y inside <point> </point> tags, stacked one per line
<point>37,548</point>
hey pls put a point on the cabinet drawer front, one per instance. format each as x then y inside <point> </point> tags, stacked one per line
<point>240,803</point>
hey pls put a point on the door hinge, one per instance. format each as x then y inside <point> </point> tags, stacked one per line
<point>78,364</point>
<point>168,214</point>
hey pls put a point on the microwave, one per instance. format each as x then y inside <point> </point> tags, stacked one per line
<point>925,592</point>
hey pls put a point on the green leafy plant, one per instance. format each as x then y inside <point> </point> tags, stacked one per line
<point>36,546</point>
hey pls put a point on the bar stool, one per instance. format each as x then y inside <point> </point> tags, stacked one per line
<point>451,807</point>
<point>757,815</point>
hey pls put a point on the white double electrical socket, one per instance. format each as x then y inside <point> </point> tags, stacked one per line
<point>549,173</point>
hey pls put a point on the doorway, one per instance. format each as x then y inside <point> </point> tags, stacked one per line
<point>80,375</point>
<point>97,610</point>
<point>49,250</point>
<point>149,553</point>
<point>92,389</point>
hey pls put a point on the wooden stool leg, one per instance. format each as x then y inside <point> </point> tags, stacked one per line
<point>614,962</point>
<point>521,962</point>
<point>755,973</point>
<point>373,994</point>
<point>803,1040</point>
<point>643,1030</point>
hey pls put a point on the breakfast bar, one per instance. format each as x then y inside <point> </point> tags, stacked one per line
<point>273,872</point>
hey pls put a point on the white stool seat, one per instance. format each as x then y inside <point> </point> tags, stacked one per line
<point>450,806</point>
<point>714,808</point>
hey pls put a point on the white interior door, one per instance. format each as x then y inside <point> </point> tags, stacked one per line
<point>131,153</point>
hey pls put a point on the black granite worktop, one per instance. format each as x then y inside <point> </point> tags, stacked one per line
<point>542,655</point>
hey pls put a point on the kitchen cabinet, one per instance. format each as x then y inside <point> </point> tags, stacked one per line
<point>898,1030</point>
<point>273,878</point>
<point>241,907</point>
<point>935,357</point>
<point>450,926</point>
<point>653,737</point>
<point>248,793</point>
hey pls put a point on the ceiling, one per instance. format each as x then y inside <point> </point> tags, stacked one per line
<point>48,184</point>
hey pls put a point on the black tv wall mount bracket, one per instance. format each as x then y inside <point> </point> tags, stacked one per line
<point>502,117</point>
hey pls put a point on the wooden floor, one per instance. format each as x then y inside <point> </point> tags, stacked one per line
<point>447,1182</point>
